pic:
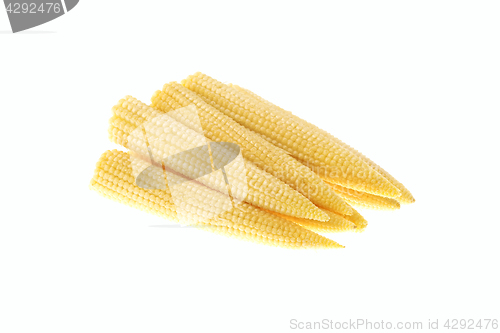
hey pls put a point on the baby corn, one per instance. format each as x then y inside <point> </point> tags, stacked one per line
<point>313,147</point>
<point>405,197</point>
<point>365,200</point>
<point>218,127</point>
<point>114,178</point>
<point>358,220</point>
<point>337,223</point>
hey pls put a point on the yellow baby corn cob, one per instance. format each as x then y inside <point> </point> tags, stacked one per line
<point>218,127</point>
<point>337,223</point>
<point>365,200</point>
<point>342,167</point>
<point>405,198</point>
<point>114,178</point>
<point>358,220</point>
<point>248,182</point>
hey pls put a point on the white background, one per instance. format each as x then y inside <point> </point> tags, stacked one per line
<point>413,85</point>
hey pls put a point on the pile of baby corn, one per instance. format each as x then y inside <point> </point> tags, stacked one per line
<point>296,181</point>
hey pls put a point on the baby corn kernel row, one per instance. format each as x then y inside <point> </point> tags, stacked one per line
<point>223,159</point>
